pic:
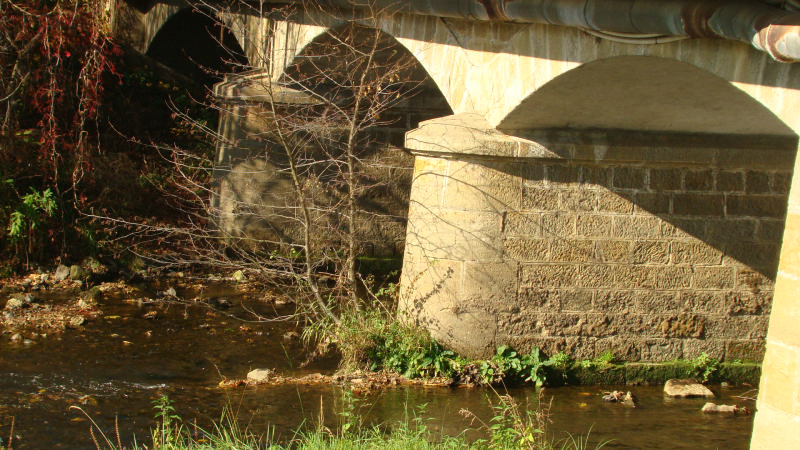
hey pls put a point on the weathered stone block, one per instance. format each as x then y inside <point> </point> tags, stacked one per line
<point>557,224</point>
<point>753,281</point>
<point>594,225</point>
<point>694,252</point>
<point>756,205</point>
<point>613,250</point>
<point>489,285</point>
<point>539,300</point>
<point>693,348</point>
<point>648,302</point>
<point>730,181</point>
<point>629,177</point>
<point>576,300</point>
<point>698,180</point>
<point>762,257</point>
<point>596,276</point>
<point>650,252</point>
<point>653,203</point>
<point>745,350</point>
<point>617,302</point>
<point>711,304</point>
<point>653,277</point>
<point>770,230</point>
<point>734,230</point>
<point>599,176</point>
<point>737,327</point>
<point>713,277</point>
<point>690,228</point>
<point>756,182</point>
<point>581,200</point>
<point>539,198</point>
<point>638,227</point>
<point>549,275</point>
<point>740,303</point>
<point>665,179</point>
<point>528,250</point>
<point>781,182</point>
<point>683,326</point>
<point>563,173</point>
<point>698,204</point>
<point>522,224</point>
<point>481,197</point>
<point>571,250</point>
<point>610,202</point>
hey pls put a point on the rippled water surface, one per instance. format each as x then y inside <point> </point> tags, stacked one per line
<point>119,363</point>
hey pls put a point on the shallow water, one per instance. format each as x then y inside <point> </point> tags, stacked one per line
<point>119,363</point>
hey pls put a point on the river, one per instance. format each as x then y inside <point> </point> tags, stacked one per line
<point>116,365</point>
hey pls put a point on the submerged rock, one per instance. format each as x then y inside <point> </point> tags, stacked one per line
<point>725,409</point>
<point>688,387</point>
<point>259,375</point>
<point>626,398</point>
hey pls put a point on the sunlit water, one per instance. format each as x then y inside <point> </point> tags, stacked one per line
<point>118,364</point>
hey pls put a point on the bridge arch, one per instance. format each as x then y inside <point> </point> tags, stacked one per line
<point>195,43</point>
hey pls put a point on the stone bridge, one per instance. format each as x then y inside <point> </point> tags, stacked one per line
<point>592,175</point>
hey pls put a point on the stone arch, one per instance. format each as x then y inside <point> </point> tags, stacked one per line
<point>194,43</point>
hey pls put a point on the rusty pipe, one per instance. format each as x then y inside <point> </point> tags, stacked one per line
<point>767,28</point>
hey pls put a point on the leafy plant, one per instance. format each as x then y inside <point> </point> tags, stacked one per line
<point>704,367</point>
<point>168,430</point>
<point>28,217</point>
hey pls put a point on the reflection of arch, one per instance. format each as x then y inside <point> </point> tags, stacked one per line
<point>194,44</point>
<point>645,94</point>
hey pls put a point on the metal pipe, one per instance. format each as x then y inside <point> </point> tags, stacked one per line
<point>770,29</point>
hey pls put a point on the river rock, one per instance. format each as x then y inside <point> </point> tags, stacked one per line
<point>77,273</point>
<point>239,276</point>
<point>14,303</point>
<point>75,321</point>
<point>688,387</point>
<point>725,409</point>
<point>259,375</point>
<point>62,273</point>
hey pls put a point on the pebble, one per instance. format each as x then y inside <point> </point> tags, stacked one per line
<point>16,337</point>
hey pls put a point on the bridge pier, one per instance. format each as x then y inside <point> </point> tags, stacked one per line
<point>654,246</point>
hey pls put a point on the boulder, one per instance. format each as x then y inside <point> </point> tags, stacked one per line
<point>62,273</point>
<point>14,303</point>
<point>77,273</point>
<point>259,375</point>
<point>688,387</point>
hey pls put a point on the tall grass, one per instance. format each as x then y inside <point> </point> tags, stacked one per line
<point>510,428</point>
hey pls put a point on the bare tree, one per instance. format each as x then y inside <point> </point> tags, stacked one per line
<point>312,166</point>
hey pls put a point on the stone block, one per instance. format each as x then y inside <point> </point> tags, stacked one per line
<point>660,350</point>
<point>610,202</point>
<point>745,350</point>
<point>756,182</point>
<point>597,176</point>
<point>693,348</point>
<point>576,300</point>
<point>690,228</point>
<point>549,275</point>
<point>733,230</point>
<point>559,225</point>
<point>429,283</point>
<point>522,224</point>
<point>650,252</point>
<point>580,200</point>
<point>536,300</point>
<point>747,303</point>
<point>594,225</point>
<point>427,189</point>
<point>753,281</point>
<point>596,276</point>
<point>762,257</point>
<point>653,277</point>
<point>571,250</point>
<point>694,252</point>
<point>756,205</point>
<point>666,179</point>
<point>697,204</point>
<point>653,203</point>
<point>528,250</point>
<point>533,174</point>
<point>648,302</point>
<point>638,227</point>
<point>698,180</point>
<point>738,327</point>
<point>616,302</point>
<point>770,230</point>
<point>629,178</point>
<point>609,251</point>
<point>709,303</point>
<point>539,198</point>
<point>781,182</point>
<point>713,277</point>
<point>683,326</point>
<point>560,174</point>
<point>730,181</point>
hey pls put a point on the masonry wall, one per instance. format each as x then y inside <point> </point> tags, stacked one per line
<point>652,260</point>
